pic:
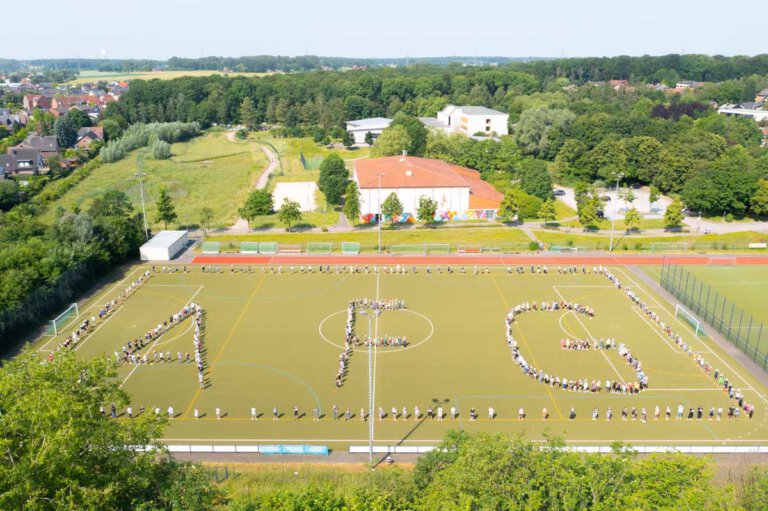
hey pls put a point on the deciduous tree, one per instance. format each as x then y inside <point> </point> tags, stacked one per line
<point>289,213</point>
<point>427,209</point>
<point>352,202</point>
<point>166,211</point>
<point>392,208</point>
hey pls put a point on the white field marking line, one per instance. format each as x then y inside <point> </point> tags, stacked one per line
<point>169,285</point>
<point>621,378</point>
<point>189,327</point>
<point>303,440</point>
<point>718,389</point>
<point>634,283</point>
<point>565,331</point>
<point>685,326</point>
<point>154,344</point>
<point>655,330</point>
<point>92,334</point>
<point>576,285</point>
<point>672,443</point>
<point>96,301</point>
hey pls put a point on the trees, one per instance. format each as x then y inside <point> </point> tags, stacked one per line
<point>673,216</point>
<point>632,219</point>
<point>206,215</point>
<point>715,191</point>
<point>61,453</point>
<point>347,139</point>
<point>333,178</point>
<point>588,212</point>
<point>392,208</point>
<point>248,114</point>
<point>547,211</point>
<point>78,119</point>
<point>352,202</point>
<point>509,207</point>
<point>166,211</point>
<point>9,194</point>
<point>539,130</point>
<point>160,149</point>
<point>653,196</point>
<point>259,202</point>
<point>369,139</point>
<point>535,179</point>
<point>758,204</point>
<point>416,131</point>
<point>392,141</point>
<point>427,209</point>
<point>289,213</point>
<point>66,133</point>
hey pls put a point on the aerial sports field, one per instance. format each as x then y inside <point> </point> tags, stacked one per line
<point>273,332</point>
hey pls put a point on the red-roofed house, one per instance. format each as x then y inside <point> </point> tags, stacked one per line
<point>460,192</point>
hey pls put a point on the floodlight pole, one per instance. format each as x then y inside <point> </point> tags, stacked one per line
<point>613,220</point>
<point>370,386</point>
<point>379,196</point>
<point>140,174</point>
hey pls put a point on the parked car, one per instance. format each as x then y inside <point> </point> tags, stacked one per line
<point>559,193</point>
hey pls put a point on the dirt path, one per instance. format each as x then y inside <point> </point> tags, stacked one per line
<point>241,225</point>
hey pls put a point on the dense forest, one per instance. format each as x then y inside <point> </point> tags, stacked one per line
<point>589,133</point>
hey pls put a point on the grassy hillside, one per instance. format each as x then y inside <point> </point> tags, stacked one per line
<point>207,171</point>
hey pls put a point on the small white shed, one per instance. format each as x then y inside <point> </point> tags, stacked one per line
<point>163,246</point>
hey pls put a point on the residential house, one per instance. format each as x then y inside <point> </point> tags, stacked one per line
<point>361,127</point>
<point>762,96</point>
<point>47,145</point>
<point>738,109</point>
<point>36,101</point>
<point>460,193</point>
<point>87,136</point>
<point>469,120</point>
<point>20,160</point>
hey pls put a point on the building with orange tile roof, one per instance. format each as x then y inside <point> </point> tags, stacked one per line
<point>460,192</point>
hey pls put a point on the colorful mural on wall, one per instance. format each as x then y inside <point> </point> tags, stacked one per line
<point>441,216</point>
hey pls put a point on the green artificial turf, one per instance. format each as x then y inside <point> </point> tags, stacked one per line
<point>274,340</point>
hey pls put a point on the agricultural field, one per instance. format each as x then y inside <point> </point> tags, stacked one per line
<point>273,338</point>
<point>209,170</point>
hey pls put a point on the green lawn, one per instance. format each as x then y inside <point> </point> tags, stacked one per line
<point>206,171</point>
<point>637,242</point>
<point>275,340</point>
<point>721,289</point>
<point>490,236</point>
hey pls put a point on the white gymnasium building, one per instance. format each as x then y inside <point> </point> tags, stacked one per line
<point>469,120</point>
<point>460,192</point>
<point>361,127</point>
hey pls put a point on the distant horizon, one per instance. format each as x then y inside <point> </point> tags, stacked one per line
<point>148,29</point>
<point>403,57</point>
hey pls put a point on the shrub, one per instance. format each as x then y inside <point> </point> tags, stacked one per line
<point>729,217</point>
<point>161,150</point>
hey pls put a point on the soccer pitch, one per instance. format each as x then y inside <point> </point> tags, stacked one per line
<point>274,340</point>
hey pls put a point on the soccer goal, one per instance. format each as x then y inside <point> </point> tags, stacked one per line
<point>437,248</point>
<point>319,247</point>
<point>249,247</point>
<point>57,324</point>
<point>560,248</point>
<point>211,247</point>
<point>721,261</point>
<point>350,247</point>
<point>681,311</point>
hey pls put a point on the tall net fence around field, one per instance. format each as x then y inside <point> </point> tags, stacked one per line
<point>45,302</point>
<point>312,163</point>
<point>739,327</point>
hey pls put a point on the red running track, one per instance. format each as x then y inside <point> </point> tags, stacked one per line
<point>509,260</point>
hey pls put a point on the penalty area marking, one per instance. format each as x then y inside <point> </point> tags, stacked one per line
<point>425,318</point>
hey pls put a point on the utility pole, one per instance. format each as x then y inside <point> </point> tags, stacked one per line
<point>140,174</point>
<point>615,209</point>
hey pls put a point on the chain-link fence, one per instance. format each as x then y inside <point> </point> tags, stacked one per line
<point>722,314</point>
<point>45,302</point>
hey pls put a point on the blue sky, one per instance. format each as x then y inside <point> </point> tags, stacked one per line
<point>391,28</point>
